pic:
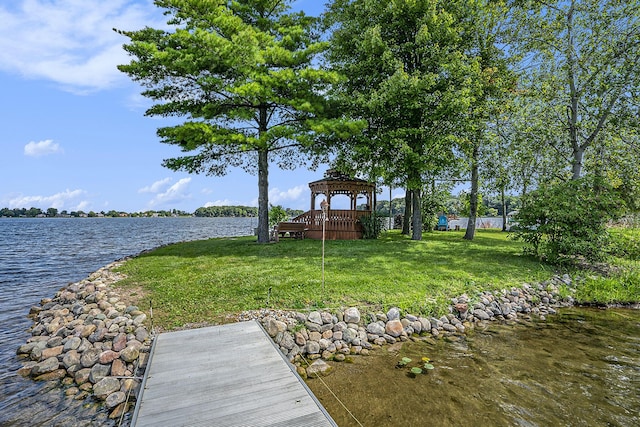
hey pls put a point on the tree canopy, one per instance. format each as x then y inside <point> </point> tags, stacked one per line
<point>407,76</point>
<point>242,75</point>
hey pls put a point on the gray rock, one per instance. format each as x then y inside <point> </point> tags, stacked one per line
<point>481,314</point>
<point>273,326</point>
<point>312,347</point>
<point>426,324</point>
<point>130,354</point>
<point>416,326</point>
<point>315,317</point>
<point>72,343</point>
<point>139,319</point>
<point>349,334</point>
<point>71,358</point>
<point>352,315</point>
<point>326,317</point>
<point>388,338</point>
<point>105,387</point>
<point>313,327</point>
<point>47,365</point>
<point>375,328</point>
<point>98,372</point>
<point>114,399</point>
<point>449,327</point>
<point>324,344</point>
<point>393,314</point>
<point>340,326</point>
<point>54,342</point>
<point>287,341</point>
<point>82,376</point>
<point>141,334</point>
<point>90,357</point>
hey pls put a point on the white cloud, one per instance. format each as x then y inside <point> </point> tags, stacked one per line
<point>156,187</point>
<point>176,193</point>
<point>71,42</point>
<point>277,196</point>
<point>68,199</point>
<point>41,148</point>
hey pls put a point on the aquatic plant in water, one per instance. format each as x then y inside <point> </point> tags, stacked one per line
<point>415,370</point>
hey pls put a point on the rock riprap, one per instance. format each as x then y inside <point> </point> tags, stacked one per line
<point>91,340</point>
<point>306,338</point>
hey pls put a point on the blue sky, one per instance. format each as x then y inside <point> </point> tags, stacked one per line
<point>73,135</point>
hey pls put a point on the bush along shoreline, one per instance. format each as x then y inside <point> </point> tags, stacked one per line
<point>93,343</point>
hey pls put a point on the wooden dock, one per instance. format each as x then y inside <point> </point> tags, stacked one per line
<point>229,375</point>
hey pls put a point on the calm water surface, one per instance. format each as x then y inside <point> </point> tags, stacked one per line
<point>38,257</point>
<point>580,368</point>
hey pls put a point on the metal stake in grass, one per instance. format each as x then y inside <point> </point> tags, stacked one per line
<point>325,207</point>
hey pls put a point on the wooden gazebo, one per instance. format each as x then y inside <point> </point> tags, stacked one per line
<point>340,224</point>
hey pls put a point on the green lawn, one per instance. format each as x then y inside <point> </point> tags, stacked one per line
<point>203,281</point>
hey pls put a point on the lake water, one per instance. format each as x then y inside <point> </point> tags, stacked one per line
<point>38,256</point>
<point>579,368</point>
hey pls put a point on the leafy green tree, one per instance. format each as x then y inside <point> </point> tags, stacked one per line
<point>243,75</point>
<point>581,57</point>
<point>33,212</point>
<point>420,96</point>
<point>52,212</point>
<point>408,79</point>
<point>277,214</point>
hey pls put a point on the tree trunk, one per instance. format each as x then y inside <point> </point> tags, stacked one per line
<point>416,217</point>
<point>504,209</point>
<point>576,166</point>
<point>263,196</point>
<point>406,220</point>
<point>263,183</point>
<point>473,196</point>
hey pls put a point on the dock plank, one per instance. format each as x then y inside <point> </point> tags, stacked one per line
<point>229,375</point>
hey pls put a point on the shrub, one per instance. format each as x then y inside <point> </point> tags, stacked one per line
<point>566,223</point>
<point>277,214</point>
<point>371,225</point>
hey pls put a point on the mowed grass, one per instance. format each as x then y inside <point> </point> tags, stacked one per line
<point>204,281</point>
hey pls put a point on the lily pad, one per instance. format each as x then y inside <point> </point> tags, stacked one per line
<point>404,361</point>
<point>416,371</point>
<point>428,366</point>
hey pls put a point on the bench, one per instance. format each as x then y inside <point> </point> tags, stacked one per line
<point>294,229</point>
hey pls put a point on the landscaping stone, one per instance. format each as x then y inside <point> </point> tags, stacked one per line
<point>394,328</point>
<point>83,336</point>
<point>352,315</point>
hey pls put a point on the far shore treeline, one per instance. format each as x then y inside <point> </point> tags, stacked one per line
<point>449,204</point>
<point>211,211</point>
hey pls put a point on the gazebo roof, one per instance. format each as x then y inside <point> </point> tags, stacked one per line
<point>335,179</point>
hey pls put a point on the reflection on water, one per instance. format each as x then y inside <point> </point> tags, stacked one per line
<point>580,368</point>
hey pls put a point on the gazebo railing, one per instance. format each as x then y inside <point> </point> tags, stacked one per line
<point>340,224</point>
